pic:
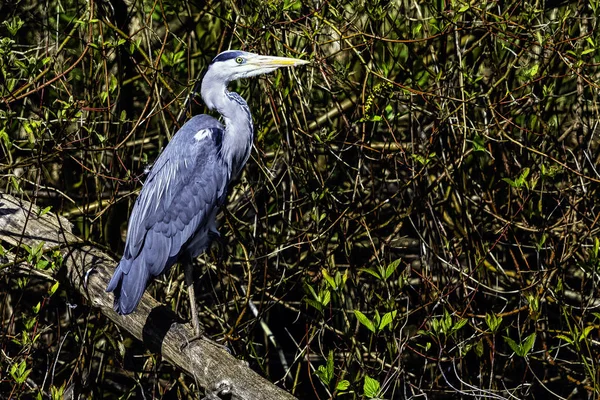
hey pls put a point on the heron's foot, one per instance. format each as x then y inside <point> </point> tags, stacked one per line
<point>198,334</point>
<point>219,345</point>
<point>86,276</point>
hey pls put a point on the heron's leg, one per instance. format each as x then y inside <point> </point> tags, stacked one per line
<point>188,267</point>
<point>189,282</point>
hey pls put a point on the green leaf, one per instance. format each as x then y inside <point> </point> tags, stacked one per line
<point>54,288</point>
<point>13,25</point>
<point>586,332</point>
<point>330,363</point>
<point>362,318</point>
<point>565,338</point>
<point>19,372</point>
<point>416,29</point>
<point>310,289</point>
<point>342,385</point>
<point>387,319</point>
<point>371,387</point>
<point>314,304</point>
<point>42,264</point>
<point>325,372</point>
<point>321,372</point>
<point>340,280</point>
<point>28,323</point>
<point>325,297</point>
<point>15,184</point>
<point>371,271</point>
<point>493,322</point>
<point>513,345</point>
<point>35,253</point>
<point>532,72</point>
<point>479,144</point>
<point>478,349</point>
<point>391,268</point>
<point>328,278</point>
<point>528,344</point>
<point>447,322</point>
<point>458,325</point>
<point>22,282</point>
<point>45,210</point>
<point>436,326</point>
<point>376,319</point>
<point>521,349</point>
<point>32,128</point>
<point>5,139</point>
<point>510,182</point>
<point>419,158</point>
<point>57,393</point>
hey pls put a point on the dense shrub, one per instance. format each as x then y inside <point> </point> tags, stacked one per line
<point>419,215</point>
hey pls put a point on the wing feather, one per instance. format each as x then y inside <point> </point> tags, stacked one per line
<point>184,189</point>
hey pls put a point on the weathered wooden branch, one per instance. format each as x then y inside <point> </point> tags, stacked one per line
<point>212,367</point>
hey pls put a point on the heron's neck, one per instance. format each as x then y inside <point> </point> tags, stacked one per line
<point>237,139</point>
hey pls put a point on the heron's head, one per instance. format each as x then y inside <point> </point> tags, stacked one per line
<point>231,65</point>
<point>235,64</point>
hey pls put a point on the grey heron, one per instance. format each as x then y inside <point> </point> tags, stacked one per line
<point>173,218</point>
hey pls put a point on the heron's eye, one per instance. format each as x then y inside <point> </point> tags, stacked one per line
<point>239,60</point>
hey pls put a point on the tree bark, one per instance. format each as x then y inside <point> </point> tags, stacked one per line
<point>212,367</point>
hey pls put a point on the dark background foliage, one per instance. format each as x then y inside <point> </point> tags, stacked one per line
<point>419,215</point>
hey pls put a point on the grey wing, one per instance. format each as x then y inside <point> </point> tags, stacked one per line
<point>186,186</point>
<point>176,204</point>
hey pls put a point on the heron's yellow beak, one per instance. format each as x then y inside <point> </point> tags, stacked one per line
<point>276,62</point>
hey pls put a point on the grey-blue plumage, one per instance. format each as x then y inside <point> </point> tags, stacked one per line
<point>173,219</point>
<point>175,210</point>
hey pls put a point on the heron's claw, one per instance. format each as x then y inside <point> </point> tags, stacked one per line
<point>198,334</point>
